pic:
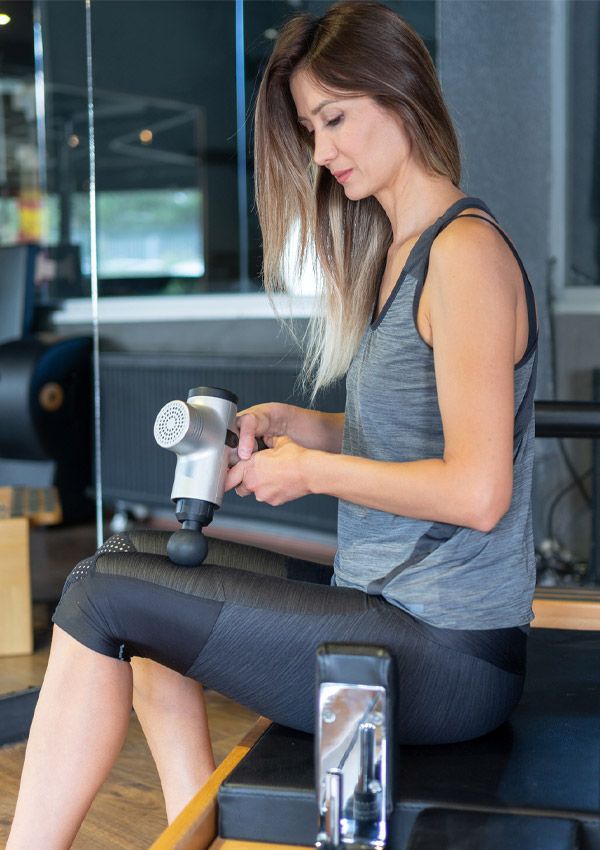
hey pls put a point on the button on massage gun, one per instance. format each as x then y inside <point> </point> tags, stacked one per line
<point>200,431</point>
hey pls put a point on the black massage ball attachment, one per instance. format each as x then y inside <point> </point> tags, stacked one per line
<point>187,547</point>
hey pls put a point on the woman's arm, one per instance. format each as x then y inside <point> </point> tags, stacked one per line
<point>472,297</point>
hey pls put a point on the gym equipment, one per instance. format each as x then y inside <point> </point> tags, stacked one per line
<point>201,432</point>
<point>354,746</point>
<point>46,415</point>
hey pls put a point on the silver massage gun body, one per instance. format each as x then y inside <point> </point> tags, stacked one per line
<point>202,433</point>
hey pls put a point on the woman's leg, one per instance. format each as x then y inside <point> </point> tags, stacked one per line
<point>78,729</point>
<point>170,707</point>
<point>81,721</point>
<point>172,714</point>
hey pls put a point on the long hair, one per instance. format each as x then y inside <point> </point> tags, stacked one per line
<point>360,48</point>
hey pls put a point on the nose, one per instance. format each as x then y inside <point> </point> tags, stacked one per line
<point>324,150</point>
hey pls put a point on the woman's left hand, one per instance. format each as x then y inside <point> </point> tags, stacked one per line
<point>274,475</point>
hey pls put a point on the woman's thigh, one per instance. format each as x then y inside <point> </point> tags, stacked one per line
<point>253,636</point>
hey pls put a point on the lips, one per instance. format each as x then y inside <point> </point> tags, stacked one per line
<point>342,176</point>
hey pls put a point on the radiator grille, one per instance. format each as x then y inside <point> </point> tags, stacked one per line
<point>135,387</point>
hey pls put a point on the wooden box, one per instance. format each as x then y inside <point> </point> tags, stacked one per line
<point>16,626</point>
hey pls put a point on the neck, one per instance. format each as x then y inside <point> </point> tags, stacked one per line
<point>414,201</point>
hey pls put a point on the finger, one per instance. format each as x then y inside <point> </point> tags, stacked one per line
<point>248,425</point>
<point>234,476</point>
<point>242,491</point>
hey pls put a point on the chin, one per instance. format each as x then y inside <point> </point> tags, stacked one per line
<point>355,194</point>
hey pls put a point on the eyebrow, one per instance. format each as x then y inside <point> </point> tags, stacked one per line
<point>318,108</point>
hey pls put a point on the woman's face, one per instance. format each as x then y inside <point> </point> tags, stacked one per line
<point>364,146</point>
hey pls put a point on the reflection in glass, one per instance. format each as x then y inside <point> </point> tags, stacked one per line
<point>164,104</point>
<point>144,233</point>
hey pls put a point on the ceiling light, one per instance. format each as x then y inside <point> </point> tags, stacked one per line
<point>271,34</point>
<point>4,20</point>
<point>146,137</point>
<point>73,141</point>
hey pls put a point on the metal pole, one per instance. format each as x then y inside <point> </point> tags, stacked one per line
<point>94,277</point>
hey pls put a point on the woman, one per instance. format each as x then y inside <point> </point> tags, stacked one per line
<point>428,310</point>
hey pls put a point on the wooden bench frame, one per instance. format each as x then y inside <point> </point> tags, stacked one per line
<point>197,826</point>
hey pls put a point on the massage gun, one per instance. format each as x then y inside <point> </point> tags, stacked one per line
<point>202,434</point>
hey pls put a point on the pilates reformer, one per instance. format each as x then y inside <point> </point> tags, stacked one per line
<point>532,784</point>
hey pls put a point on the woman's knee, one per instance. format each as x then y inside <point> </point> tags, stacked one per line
<point>85,615</point>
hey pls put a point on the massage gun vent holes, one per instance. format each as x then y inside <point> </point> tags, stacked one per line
<point>171,424</point>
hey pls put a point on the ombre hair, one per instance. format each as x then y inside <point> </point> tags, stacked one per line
<point>362,48</point>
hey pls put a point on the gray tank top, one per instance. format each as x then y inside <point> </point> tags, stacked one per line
<point>447,575</point>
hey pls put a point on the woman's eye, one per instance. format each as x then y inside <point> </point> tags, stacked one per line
<point>334,121</point>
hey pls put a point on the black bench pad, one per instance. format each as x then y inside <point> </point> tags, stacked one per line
<point>544,763</point>
<point>454,830</point>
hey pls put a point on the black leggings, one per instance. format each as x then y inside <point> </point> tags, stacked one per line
<point>247,623</point>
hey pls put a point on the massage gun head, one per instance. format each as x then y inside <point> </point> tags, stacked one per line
<point>201,433</point>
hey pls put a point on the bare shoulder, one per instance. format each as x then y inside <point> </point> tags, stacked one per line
<point>471,252</point>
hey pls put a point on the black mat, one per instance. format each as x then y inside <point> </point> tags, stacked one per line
<point>16,714</point>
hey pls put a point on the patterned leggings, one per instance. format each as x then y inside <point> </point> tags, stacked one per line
<point>247,623</point>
